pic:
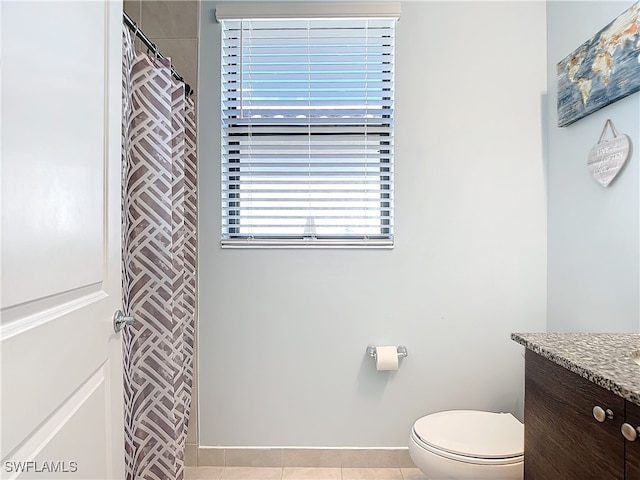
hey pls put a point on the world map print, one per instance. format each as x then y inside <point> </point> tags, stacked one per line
<point>602,70</point>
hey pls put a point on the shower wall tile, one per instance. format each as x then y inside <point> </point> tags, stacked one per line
<point>133,9</point>
<point>184,56</point>
<point>170,19</point>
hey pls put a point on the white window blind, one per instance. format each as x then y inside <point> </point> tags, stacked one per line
<point>307,131</point>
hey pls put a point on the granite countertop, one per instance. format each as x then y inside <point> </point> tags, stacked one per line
<point>603,358</point>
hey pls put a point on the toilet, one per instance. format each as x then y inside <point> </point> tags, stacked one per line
<point>468,445</point>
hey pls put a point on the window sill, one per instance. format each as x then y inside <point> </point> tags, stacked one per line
<point>317,243</point>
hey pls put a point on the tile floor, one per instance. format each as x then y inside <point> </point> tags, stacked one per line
<point>301,473</point>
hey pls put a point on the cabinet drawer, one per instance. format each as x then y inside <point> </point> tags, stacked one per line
<point>562,438</point>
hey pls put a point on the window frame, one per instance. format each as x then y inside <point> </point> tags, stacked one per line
<point>232,237</point>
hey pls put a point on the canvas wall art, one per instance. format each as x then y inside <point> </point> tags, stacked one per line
<point>602,70</point>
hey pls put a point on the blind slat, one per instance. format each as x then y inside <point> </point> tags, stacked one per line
<point>307,131</point>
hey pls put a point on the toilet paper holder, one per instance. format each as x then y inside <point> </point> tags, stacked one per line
<point>402,351</point>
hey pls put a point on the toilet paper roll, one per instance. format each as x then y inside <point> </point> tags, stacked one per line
<point>387,358</point>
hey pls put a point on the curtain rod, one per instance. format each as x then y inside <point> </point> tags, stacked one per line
<point>133,26</point>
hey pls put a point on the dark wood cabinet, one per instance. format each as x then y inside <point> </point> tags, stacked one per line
<point>632,449</point>
<point>562,439</point>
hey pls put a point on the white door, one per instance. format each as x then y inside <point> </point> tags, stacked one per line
<point>61,367</point>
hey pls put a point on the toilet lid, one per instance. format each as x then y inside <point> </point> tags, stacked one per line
<point>473,433</point>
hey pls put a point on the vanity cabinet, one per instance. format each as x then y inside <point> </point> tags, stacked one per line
<point>563,440</point>
<point>632,449</point>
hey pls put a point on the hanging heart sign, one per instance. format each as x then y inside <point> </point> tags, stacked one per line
<point>607,157</point>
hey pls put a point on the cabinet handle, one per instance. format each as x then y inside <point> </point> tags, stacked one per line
<point>629,432</point>
<point>600,414</point>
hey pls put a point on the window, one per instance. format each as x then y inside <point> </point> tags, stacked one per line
<point>307,131</point>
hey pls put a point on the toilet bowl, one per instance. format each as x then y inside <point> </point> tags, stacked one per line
<point>468,445</point>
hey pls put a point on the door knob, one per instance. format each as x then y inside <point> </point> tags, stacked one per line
<point>120,320</point>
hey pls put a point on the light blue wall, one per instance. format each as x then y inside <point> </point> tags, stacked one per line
<point>282,333</point>
<point>593,246</point>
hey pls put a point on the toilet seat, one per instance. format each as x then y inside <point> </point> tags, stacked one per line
<point>470,436</point>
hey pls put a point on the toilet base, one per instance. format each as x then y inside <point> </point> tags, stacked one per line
<point>436,467</point>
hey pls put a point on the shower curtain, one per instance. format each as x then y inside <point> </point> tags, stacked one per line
<point>159,264</point>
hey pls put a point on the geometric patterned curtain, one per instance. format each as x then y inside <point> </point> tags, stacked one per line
<point>159,264</point>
